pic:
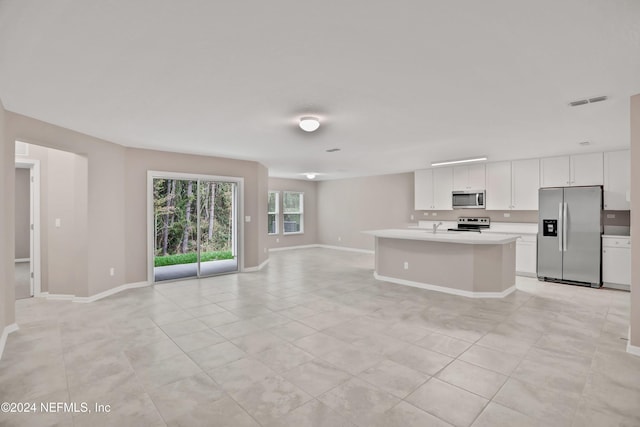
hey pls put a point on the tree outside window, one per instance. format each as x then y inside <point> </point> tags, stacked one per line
<point>273,211</point>
<point>293,210</point>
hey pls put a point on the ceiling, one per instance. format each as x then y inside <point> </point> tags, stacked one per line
<point>396,85</point>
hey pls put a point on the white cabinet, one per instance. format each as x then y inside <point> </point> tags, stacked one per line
<point>432,188</point>
<point>513,185</point>
<point>616,262</point>
<point>576,170</point>
<point>526,253</point>
<point>617,180</point>
<point>470,177</point>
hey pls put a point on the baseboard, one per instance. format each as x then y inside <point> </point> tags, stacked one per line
<point>23,259</point>
<point>445,289</point>
<point>110,292</point>
<point>525,274</point>
<point>633,349</point>
<point>5,333</point>
<point>258,268</point>
<point>96,297</point>
<point>344,248</point>
<point>289,248</point>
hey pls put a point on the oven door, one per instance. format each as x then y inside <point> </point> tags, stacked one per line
<point>468,199</point>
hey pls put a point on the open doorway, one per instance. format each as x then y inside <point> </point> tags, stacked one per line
<point>27,224</point>
<point>194,226</point>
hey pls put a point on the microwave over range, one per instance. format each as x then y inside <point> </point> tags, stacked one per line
<point>471,199</point>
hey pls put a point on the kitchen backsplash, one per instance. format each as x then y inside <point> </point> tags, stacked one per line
<point>620,218</point>
<point>496,216</point>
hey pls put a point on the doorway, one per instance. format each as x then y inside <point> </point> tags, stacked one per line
<point>194,226</point>
<point>27,228</point>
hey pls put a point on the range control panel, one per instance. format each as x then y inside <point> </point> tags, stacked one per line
<point>475,220</point>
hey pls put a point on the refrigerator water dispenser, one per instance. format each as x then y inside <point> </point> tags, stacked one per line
<point>550,227</point>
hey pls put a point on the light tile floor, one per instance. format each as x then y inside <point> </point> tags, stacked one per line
<point>314,340</point>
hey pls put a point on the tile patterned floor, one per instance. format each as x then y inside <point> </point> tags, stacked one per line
<point>314,340</point>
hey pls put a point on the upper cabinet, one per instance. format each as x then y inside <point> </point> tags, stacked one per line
<point>617,180</point>
<point>470,177</point>
<point>513,185</point>
<point>576,170</point>
<point>433,189</point>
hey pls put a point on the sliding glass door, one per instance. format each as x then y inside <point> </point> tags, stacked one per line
<point>195,233</point>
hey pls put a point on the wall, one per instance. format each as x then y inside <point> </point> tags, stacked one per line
<point>7,233</point>
<point>310,235</point>
<point>139,161</point>
<point>22,213</point>
<point>634,327</point>
<point>347,207</point>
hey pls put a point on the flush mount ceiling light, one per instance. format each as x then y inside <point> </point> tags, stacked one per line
<point>455,162</point>
<point>310,175</point>
<point>309,124</point>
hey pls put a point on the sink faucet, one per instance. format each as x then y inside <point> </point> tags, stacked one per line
<point>435,227</point>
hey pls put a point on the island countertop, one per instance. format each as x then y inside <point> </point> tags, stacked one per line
<point>445,236</point>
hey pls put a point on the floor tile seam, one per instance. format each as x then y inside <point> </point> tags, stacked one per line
<point>511,407</point>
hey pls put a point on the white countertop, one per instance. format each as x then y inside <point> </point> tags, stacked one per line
<point>616,236</point>
<point>445,236</point>
<point>496,227</point>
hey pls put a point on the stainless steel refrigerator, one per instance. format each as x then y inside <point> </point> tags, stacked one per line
<point>569,235</point>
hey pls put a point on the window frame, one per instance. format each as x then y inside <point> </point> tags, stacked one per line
<point>276,213</point>
<point>299,212</point>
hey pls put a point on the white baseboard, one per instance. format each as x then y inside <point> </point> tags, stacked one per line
<point>258,268</point>
<point>525,274</point>
<point>445,289</point>
<point>633,349</point>
<point>96,297</point>
<point>289,248</point>
<point>23,259</point>
<point>344,248</point>
<point>5,333</point>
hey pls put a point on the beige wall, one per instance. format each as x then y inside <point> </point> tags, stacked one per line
<point>22,213</point>
<point>138,162</point>
<point>7,233</point>
<point>310,235</point>
<point>635,221</point>
<point>346,207</point>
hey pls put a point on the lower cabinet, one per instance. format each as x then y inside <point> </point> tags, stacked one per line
<point>616,262</point>
<point>526,253</point>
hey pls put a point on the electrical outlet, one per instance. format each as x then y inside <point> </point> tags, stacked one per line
<point>411,217</point>
<point>247,218</point>
<point>611,215</point>
<point>278,240</point>
<point>434,213</point>
<point>506,214</point>
<point>339,238</point>
<point>406,265</point>
<point>58,222</point>
<point>112,271</point>
<point>265,250</point>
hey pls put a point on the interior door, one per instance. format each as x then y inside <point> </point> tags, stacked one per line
<point>550,249</point>
<point>583,234</point>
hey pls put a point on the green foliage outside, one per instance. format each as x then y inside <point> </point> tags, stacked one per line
<point>161,261</point>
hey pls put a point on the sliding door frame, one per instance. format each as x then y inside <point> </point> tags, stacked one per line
<point>238,235</point>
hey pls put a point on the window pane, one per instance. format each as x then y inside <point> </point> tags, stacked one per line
<point>291,202</point>
<point>273,201</point>
<point>292,223</point>
<point>273,226</point>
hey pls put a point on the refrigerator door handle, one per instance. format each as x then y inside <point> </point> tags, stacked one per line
<point>564,226</point>
<point>559,225</point>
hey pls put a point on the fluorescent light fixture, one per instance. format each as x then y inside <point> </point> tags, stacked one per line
<point>310,175</point>
<point>455,162</point>
<point>309,124</point>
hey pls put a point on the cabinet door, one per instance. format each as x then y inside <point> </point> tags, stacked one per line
<point>554,172</point>
<point>442,188</point>
<point>616,265</point>
<point>423,189</point>
<point>617,180</point>
<point>460,178</point>
<point>499,186</point>
<point>477,177</point>
<point>586,169</point>
<point>525,182</point>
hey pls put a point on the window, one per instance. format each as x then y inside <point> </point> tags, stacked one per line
<point>293,209</point>
<point>273,209</point>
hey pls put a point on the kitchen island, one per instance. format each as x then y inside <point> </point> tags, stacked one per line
<point>477,265</point>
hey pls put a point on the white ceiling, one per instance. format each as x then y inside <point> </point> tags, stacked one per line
<point>397,84</point>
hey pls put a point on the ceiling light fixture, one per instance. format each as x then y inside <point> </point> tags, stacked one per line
<point>454,162</point>
<point>309,124</point>
<point>310,175</point>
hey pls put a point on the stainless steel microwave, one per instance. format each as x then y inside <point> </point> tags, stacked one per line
<point>472,199</point>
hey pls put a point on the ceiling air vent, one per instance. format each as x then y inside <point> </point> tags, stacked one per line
<point>333,150</point>
<point>588,101</point>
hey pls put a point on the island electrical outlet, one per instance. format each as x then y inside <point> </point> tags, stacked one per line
<point>406,265</point>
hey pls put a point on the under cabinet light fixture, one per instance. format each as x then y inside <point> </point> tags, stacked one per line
<point>455,162</point>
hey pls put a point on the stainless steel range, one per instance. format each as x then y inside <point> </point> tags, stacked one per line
<point>474,224</point>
